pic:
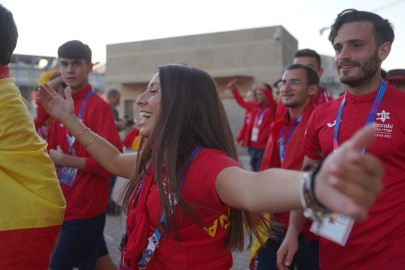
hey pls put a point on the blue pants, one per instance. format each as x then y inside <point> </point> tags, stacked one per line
<point>306,257</point>
<point>256,155</point>
<point>80,243</point>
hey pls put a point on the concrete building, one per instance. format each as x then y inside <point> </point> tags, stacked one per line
<point>249,55</point>
<point>330,78</point>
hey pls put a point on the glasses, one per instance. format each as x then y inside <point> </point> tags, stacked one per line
<point>293,83</point>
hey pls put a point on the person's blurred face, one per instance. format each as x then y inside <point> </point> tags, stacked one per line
<point>75,73</point>
<point>115,100</point>
<point>276,94</point>
<point>258,89</point>
<point>250,96</point>
<point>149,103</point>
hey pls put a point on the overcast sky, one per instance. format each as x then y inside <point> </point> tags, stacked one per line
<point>46,24</point>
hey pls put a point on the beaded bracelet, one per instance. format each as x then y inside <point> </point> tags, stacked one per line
<point>313,209</point>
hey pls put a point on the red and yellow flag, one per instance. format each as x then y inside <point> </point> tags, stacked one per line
<point>32,205</point>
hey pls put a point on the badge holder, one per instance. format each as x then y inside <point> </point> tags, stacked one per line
<point>335,228</point>
<point>67,175</point>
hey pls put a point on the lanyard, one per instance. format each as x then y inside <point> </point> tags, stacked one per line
<point>323,93</point>
<point>282,151</point>
<point>258,121</point>
<point>153,241</point>
<point>70,138</point>
<point>371,114</point>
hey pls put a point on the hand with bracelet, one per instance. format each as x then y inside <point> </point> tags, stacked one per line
<point>350,180</point>
<point>62,110</point>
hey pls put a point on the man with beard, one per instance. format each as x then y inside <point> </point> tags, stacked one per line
<point>362,40</point>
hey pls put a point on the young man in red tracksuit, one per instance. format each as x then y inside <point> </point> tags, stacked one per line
<point>257,120</point>
<point>84,182</point>
<point>312,59</point>
<point>261,120</point>
<point>284,150</point>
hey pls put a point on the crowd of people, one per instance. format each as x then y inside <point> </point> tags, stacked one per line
<point>317,165</point>
<point>301,136</point>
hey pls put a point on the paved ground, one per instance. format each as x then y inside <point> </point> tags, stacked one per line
<point>116,224</point>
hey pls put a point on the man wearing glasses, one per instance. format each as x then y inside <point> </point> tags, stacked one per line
<point>298,86</point>
<point>312,59</point>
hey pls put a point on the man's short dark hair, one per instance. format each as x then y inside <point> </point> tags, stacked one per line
<point>383,30</point>
<point>8,35</point>
<point>113,93</point>
<point>75,49</point>
<point>311,75</point>
<point>275,84</point>
<point>309,53</point>
<point>268,86</point>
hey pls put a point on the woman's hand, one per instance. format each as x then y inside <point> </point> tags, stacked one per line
<point>57,107</point>
<point>349,181</point>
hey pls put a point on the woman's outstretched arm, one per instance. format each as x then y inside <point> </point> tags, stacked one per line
<point>348,182</point>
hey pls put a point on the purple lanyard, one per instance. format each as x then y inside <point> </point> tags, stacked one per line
<point>258,121</point>
<point>371,116</point>
<point>70,138</point>
<point>282,151</point>
<point>148,252</point>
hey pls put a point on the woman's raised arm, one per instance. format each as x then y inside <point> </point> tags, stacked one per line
<point>100,149</point>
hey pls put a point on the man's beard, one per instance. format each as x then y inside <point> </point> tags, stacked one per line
<point>367,71</point>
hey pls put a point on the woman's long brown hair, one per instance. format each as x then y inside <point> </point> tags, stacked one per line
<point>191,113</point>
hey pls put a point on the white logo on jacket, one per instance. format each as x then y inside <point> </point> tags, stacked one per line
<point>331,124</point>
<point>383,116</point>
<point>384,128</point>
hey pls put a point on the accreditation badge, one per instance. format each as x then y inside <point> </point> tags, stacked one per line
<point>255,134</point>
<point>335,228</point>
<point>67,175</point>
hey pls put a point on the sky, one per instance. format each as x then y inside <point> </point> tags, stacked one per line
<point>44,25</point>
